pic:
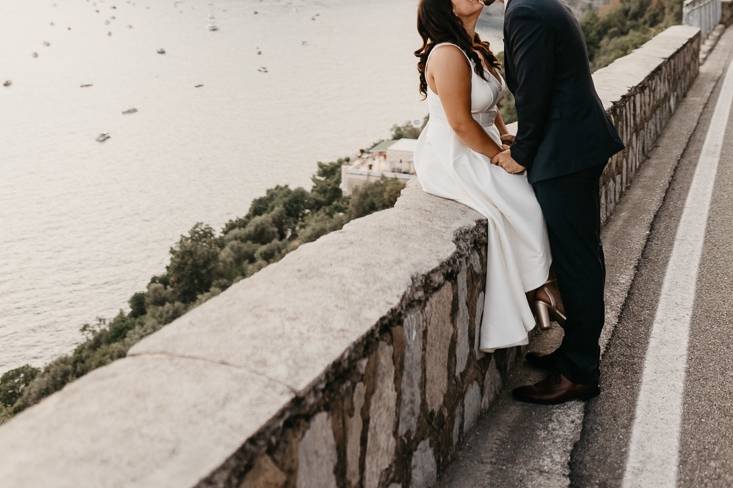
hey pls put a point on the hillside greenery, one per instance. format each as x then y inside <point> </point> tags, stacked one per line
<point>623,25</point>
<point>204,263</point>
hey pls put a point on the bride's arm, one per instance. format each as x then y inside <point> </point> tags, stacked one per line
<point>506,136</point>
<point>452,76</point>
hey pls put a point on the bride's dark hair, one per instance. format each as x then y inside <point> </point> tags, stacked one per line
<point>437,23</point>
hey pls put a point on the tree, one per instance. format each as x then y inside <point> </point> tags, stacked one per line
<point>320,223</point>
<point>295,202</point>
<point>193,261</point>
<point>270,252</point>
<point>137,304</point>
<point>408,130</point>
<point>13,382</point>
<point>375,196</point>
<point>261,230</point>
<point>326,190</point>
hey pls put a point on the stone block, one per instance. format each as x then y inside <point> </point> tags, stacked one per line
<point>424,468</point>
<point>317,454</point>
<point>440,332</point>
<point>471,406</point>
<point>462,319</point>
<point>457,421</point>
<point>382,413</point>
<point>477,325</point>
<point>492,386</point>
<point>354,425</point>
<point>412,374</point>
<point>476,263</point>
<point>264,474</point>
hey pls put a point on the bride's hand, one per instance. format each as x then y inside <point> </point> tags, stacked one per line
<point>507,139</point>
<point>505,160</point>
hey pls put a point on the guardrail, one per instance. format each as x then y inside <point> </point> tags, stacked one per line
<point>704,14</point>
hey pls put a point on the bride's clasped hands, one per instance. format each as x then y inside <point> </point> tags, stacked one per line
<point>504,160</point>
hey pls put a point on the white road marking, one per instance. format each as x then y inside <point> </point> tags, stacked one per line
<point>655,438</point>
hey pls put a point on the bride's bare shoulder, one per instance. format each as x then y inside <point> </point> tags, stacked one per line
<point>448,57</point>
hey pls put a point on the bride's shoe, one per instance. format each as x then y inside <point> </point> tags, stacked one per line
<point>548,309</point>
<point>542,312</point>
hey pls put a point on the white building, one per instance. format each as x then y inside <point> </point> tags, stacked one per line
<point>393,159</point>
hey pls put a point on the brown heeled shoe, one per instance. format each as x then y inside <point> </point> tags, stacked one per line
<point>548,308</point>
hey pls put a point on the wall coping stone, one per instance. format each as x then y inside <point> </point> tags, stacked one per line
<point>613,82</point>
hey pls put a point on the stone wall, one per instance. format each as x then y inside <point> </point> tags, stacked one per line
<point>641,92</point>
<point>350,363</point>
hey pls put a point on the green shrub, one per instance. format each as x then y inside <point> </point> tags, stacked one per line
<point>378,195</point>
<point>260,230</point>
<point>193,261</point>
<point>158,295</point>
<point>137,304</point>
<point>14,382</point>
<point>270,252</point>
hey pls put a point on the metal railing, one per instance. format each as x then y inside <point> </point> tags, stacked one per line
<point>704,14</point>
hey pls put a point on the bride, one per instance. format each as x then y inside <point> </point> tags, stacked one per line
<point>461,81</point>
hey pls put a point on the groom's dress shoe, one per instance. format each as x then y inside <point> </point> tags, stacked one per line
<point>554,389</point>
<point>547,362</point>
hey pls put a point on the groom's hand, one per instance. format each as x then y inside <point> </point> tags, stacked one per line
<point>505,160</point>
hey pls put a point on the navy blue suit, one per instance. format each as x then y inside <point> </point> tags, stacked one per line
<point>564,139</point>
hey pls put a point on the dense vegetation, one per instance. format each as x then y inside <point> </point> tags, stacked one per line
<point>623,25</point>
<point>202,265</point>
<point>617,29</point>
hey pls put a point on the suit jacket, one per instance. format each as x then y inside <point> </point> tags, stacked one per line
<point>563,127</point>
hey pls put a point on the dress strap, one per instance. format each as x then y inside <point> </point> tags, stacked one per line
<point>452,44</point>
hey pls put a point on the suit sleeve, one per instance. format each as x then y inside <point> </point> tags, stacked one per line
<point>532,50</point>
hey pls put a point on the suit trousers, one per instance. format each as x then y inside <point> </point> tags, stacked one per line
<point>571,207</point>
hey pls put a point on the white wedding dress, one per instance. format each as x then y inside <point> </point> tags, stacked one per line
<point>518,258</point>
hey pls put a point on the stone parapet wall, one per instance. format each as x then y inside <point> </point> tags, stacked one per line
<point>329,368</point>
<point>641,92</point>
<point>352,362</point>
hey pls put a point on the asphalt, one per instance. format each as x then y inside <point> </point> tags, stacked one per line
<point>586,445</point>
<point>706,450</point>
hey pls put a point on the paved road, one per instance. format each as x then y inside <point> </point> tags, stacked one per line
<point>702,452</point>
<point>670,398</point>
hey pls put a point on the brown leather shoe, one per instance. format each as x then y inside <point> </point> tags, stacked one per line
<point>546,362</point>
<point>555,389</point>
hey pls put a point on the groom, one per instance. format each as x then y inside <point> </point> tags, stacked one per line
<point>563,141</point>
